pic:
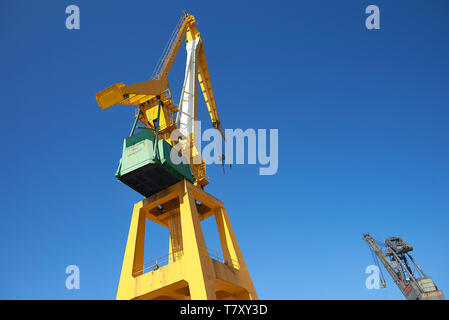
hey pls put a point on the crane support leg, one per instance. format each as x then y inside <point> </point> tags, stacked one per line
<point>191,270</point>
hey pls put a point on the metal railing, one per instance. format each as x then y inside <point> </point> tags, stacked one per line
<point>218,257</point>
<point>157,263</point>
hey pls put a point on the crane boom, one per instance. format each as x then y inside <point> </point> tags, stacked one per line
<point>387,264</point>
<point>396,261</point>
<point>186,25</point>
<point>165,63</point>
<point>206,88</point>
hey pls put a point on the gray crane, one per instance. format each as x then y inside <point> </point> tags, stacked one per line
<point>397,261</point>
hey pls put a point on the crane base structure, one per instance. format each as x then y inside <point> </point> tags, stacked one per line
<point>189,271</point>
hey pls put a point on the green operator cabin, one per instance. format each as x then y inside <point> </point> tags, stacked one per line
<point>149,170</point>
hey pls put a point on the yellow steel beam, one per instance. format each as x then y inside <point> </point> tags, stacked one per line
<point>189,20</point>
<point>206,88</point>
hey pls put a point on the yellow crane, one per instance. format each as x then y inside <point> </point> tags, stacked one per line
<point>174,195</point>
<point>148,94</point>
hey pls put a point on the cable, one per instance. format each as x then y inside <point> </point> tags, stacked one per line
<point>376,261</point>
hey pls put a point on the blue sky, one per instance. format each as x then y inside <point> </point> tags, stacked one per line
<point>363,139</point>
